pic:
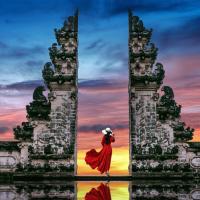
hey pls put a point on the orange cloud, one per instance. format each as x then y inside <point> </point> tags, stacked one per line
<point>196,137</point>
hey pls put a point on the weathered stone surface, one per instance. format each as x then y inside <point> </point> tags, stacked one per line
<point>56,139</point>
<point>158,137</point>
<point>47,140</point>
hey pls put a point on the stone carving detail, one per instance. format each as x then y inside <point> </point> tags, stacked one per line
<point>40,108</point>
<point>195,162</point>
<point>145,123</point>
<point>47,72</point>
<point>9,146</point>
<point>60,129</point>
<point>24,132</point>
<point>63,54</point>
<point>8,195</point>
<point>167,106</point>
<point>7,161</point>
<point>137,29</point>
<point>195,194</point>
<point>155,96</point>
<point>142,55</point>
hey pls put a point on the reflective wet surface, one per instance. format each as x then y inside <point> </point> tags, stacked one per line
<point>104,190</point>
<point>95,190</point>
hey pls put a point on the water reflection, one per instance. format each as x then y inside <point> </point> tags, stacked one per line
<point>102,192</point>
<point>169,189</point>
<point>113,189</point>
<point>91,190</point>
<point>38,190</point>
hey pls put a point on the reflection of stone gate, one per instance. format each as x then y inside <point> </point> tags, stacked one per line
<point>165,189</point>
<point>47,142</point>
<point>138,190</point>
<point>25,190</point>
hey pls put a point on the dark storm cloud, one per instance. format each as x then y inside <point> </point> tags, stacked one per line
<point>3,129</point>
<point>100,127</point>
<point>25,85</point>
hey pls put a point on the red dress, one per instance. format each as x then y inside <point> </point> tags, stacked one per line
<point>101,193</point>
<point>100,159</point>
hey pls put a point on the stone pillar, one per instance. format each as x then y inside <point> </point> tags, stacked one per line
<point>157,135</point>
<point>62,82</point>
<point>48,139</point>
<point>143,85</point>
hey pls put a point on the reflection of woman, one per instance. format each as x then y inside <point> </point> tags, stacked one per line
<point>102,159</point>
<point>101,193</point>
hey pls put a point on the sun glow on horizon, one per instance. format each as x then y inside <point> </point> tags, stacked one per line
<point>196,137</point>
<point>119,162</point>
<point>120,152</point>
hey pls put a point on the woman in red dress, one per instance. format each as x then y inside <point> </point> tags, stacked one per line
<point>101,160</point>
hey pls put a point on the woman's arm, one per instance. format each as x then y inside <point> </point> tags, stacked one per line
<point>112,138</point>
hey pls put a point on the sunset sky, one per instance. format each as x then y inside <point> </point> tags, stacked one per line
<point>27,32</point>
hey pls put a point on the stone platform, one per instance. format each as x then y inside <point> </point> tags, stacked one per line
<point>14,176</point>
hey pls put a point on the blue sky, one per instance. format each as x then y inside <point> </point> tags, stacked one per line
<point>27,32</point>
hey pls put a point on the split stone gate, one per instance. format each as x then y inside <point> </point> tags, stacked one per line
<point>158,138</point>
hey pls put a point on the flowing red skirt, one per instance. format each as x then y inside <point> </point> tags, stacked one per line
<point>101,193</point>
<point>100,159</point>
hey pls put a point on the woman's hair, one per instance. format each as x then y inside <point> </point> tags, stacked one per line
<point>107,136</point>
